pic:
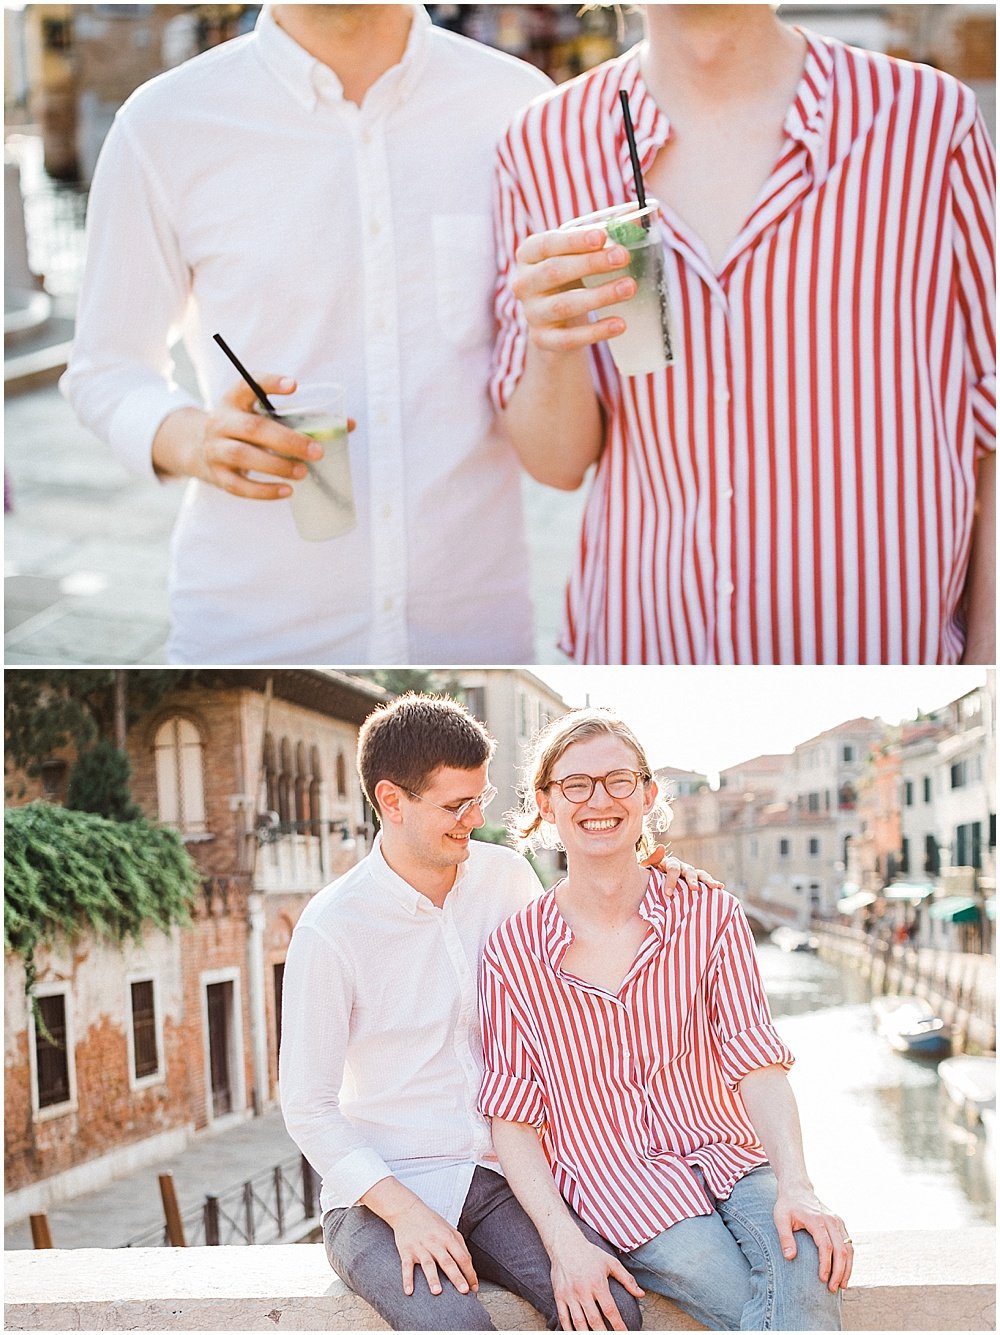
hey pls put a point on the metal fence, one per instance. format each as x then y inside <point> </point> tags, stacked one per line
<point>262,1209</point>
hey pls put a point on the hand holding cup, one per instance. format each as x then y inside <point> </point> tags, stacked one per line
<point>551,267</point>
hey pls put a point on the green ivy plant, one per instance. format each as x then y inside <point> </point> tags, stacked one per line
<point>69,871</point>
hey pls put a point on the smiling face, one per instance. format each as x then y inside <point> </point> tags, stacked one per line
<point>419,839</point>
<point>603,825</point>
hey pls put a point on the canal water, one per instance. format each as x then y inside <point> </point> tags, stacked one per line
<point>883,1147</point>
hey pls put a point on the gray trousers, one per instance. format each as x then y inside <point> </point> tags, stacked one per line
<point>504,1246</point>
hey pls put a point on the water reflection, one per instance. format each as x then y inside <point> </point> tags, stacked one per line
<point>882,1145</point>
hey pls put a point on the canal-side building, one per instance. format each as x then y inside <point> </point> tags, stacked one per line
<point>947,799</point>
<point>145,1043</point>
<point>780,828</point>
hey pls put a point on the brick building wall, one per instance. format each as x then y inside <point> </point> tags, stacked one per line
<point>109,1109</point>
<point>249,901</point>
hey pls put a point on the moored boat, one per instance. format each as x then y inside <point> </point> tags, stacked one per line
<point>971,1082</point>
<point>910,1025</point>
<point>790,939</point>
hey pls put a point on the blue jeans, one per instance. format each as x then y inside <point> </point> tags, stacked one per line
<point>727,1268</point>
<point>504,1246</point>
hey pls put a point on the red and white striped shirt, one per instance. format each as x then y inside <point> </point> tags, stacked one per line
<point>799,485</point>
<point>631,1091</point>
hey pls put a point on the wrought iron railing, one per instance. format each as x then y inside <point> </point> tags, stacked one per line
<point>263,1209</point>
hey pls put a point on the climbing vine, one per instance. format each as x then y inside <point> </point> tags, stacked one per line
<point>67,871</point>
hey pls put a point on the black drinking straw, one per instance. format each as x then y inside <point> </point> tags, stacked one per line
<point>264,401</point>
<point>633,151</point>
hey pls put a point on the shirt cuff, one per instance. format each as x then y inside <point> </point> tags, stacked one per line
<point>511,1098</point>
<point>356,1173</point>
<point>752,1049</point>
<point>136,421</point>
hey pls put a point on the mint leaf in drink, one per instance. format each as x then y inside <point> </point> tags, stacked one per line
<point>633,237</point>
<point>629,234</point>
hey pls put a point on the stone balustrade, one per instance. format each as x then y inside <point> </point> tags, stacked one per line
<point>921,1280</point>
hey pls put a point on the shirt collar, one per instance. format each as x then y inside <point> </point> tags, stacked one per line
<point>307,78</point>
<point>557,935</point>
<point>412,901</point>
<point>806,118</point>
<point>804,122</point>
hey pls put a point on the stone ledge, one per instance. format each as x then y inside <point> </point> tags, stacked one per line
<point>903,1281</point>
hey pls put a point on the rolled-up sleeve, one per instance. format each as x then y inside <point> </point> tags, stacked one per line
<point>317,997</point>
<point>510,1089</point>
<point>740,1013</point>
<point>134,296</point>
<point>973,194</point>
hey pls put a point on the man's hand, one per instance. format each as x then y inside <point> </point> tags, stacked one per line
<point>799,1208</point>
<point>674,870</point>
<point>424,1238</point>
<point>548,284</point>
<point>223,447</point>
<point>580,1273</point>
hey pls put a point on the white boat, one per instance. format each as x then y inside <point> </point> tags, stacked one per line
<point>910,1026</point>
<point>789,939</point>
<point>971,1082</point>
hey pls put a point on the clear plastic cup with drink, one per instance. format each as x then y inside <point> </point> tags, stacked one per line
<point>647,345</point>
<point>323,501</point>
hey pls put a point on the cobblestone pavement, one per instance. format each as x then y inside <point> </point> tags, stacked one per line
<point>86,546</point>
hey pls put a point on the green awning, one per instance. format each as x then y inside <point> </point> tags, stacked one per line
<point>955,908</point>
<point>852,903</point>
<point>908,890</point>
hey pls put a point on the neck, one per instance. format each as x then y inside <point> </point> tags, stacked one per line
<point>604,892</point>
<point>358,42</point>
<point>434,883</point>
<point>712,54</point>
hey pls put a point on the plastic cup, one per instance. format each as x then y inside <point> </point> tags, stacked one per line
<point>323,501</point>
<point>647,345</point>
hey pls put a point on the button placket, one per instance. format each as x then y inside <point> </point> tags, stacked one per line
<point>388,562</point>
<point>469,992</point>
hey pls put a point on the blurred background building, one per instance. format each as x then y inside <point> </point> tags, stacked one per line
<point>888,827</point>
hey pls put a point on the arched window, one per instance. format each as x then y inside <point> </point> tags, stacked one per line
<point>341,775</point>
<point>314,781</point>
<point>180,784</point>
<point>302,813</point>
<point>270,773</point>
<point>285,782</point>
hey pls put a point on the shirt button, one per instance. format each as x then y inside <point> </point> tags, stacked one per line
<point>727,589</point>
<point>722,395</point>
<point>375,227</point>
<point>727,495</point>
<point>387,605</point>
<point>386,511</point>
<point>366,136</point>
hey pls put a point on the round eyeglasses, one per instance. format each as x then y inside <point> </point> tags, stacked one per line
<point>617,783</point>
<point>482,802</point>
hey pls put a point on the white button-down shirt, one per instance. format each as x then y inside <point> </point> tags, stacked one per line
<point>242,193</point>
<point>381,1048</point>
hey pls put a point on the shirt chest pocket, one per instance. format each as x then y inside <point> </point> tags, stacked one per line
<point>464,276</point>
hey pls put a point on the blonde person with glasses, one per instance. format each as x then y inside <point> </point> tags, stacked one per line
<point>633,1074</point>
<point>381,1052</point>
